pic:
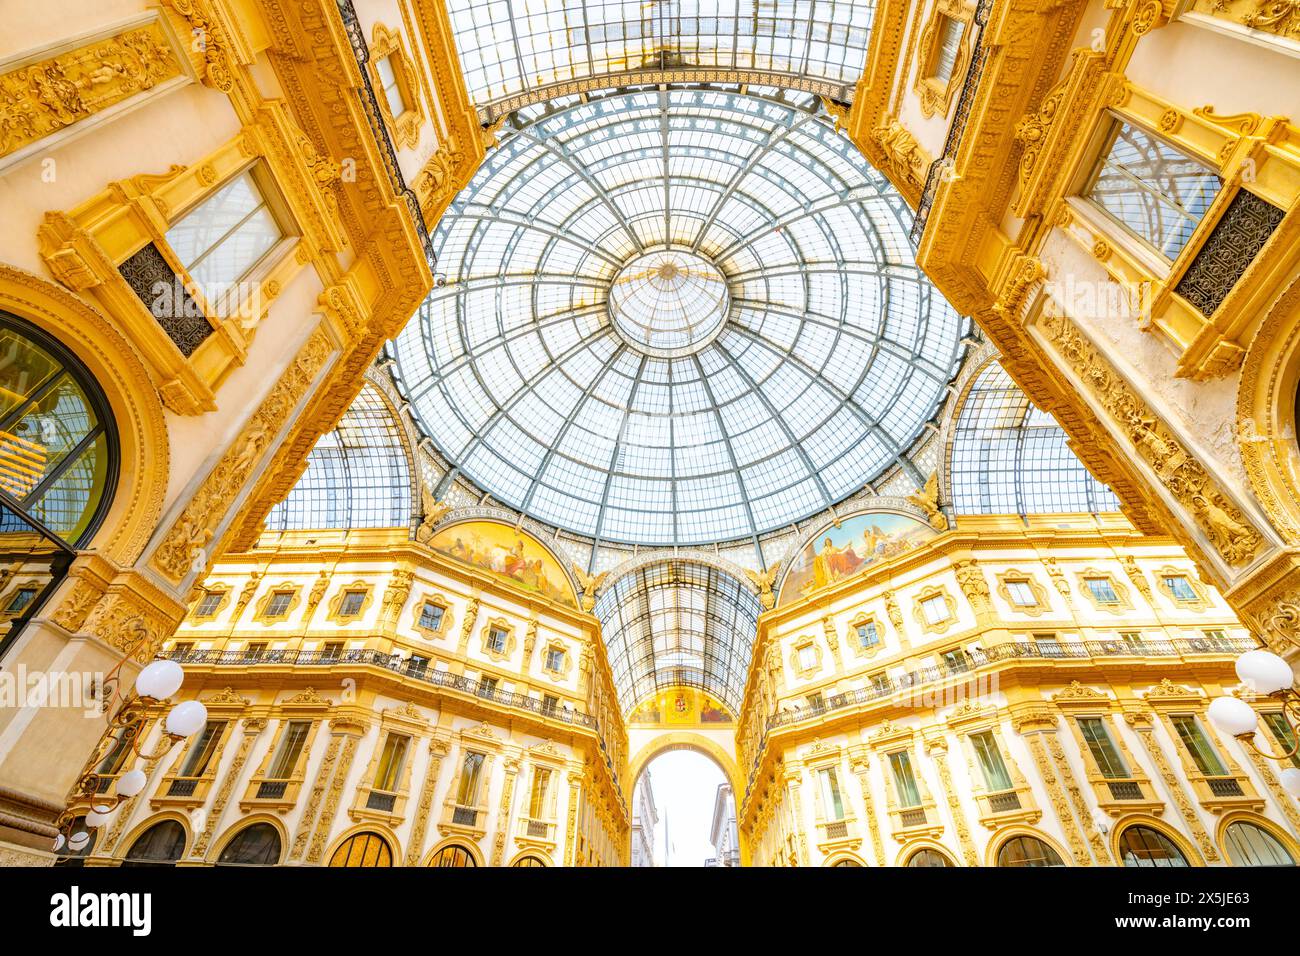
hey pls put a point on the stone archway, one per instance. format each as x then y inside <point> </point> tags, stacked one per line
<point>689,740</point>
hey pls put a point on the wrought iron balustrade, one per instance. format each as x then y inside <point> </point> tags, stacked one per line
<point>383,802</point>
<point>883,687</point>
<point>391,662</point>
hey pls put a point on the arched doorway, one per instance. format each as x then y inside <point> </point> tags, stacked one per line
<point>684,807</point>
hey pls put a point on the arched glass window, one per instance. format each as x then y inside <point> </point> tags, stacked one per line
<point>928,857</point>
<point>529,861</point>
<point>846,862</point>
<point>1008,457</point>
<point>161,845</point>
<point>1027,851</point>
<point>357,475</point>
<point>1146,846</point>
<point>58,443</point>
<point>1251,845</point>
<point>453,856</point>
<point>363,849</point>
<point>256,845</point>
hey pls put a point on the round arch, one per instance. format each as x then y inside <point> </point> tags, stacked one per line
<point>688,740</point>
<point>843,858</point>
<point>124,845</point>
<point>543,858</point>
<point>913,847</point>
<point>239,826</point>
<point>999,838</point>
<point>469,846</point>
<point>1189,851</point>
<point>1266,412</point>
<point>376,829</point>
<point>1254,819</point>
<point>133,513</point>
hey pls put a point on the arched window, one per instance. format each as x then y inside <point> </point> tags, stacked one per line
<point>363,849</point>
<point>453,856</point>
<point>847,861</point>
<point>58,443</point>
<point>256,845</point>
<point>928,857</point>
<point>1008,457</point>
<point>529,861</point>
<point>1027,851</point>
<point>161,845</point>
<point>357,475</point>
<point>1146,846</point>
<point>1251,845</point>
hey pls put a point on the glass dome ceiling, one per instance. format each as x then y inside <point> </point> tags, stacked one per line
<point>677,317</point>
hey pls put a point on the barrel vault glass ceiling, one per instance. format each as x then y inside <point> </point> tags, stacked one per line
<point>511,47</point>
<point>676,317</point>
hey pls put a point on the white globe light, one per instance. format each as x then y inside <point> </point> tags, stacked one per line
<point>187,718</point>
<point>1290,778</point>
<point>1232,716</point>
<point>96,819</point>
<point>159,680</point>
<point>60,841</point>
<point>78,840</point>
<point>104,808</point>
<point>1264,672</point>
<point>130,783</point>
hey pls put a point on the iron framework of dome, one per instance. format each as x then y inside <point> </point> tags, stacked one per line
<point>677,317</point>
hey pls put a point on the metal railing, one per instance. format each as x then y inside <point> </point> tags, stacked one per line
<point>396,664</point>
<point>370,103</point>
<point>981,657</point>
<point>958,126</point>
<point>381,801</point>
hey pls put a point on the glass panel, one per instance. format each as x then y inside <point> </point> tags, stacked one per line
<point>1199,746</point>
<point>831,800</point>
<point>949,44</point>
<point>24,368</point>
<point>291,744</point>
<point>562,369</point>
<point>69,503</point>
<point>1010,458</point>
<point>257,845</point>
<point>1143,846</point>
<point>1097,735</point>
<point>469,777</point>
<point>389,771</point>
<point>1155,191</point>
<point>908,793</point>
<point>1027,851</point>
<point>1251,845</point>
<point>200,754</point>
<point>1102,590</point>
<point>537,808</point>
<point>222,238</point>
<point>1278,726</point>
<point>511,45</point>
<point>392,89</point>
<point>357,475</point>
<point>996,777</point>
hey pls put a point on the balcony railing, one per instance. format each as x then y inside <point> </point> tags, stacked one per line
<point>1004,802</point>
<point>1012,650</point>
<point>464,816</point>
<point>182,787</point>
<point>913,818</point>
<point>1224,787</point>
<point>396,664</point>
<point>272,789</point>
<point>381,801</point>
<point>370,103</point>
<point>1125,790</point>
<point>957,128</point>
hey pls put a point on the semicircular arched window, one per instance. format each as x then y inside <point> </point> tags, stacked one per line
<point>357,474</point>
<point>1147,846</point>
<point>161,845</point>
<point>1009,457</point>
<point>363,849</point>
<point>528,861</point>
<point>58,441</point>
<point>1251,845</point>
<point>1027,851</point>
<point>255,845</point>
<point>928,858</point>
<point>453,855</point>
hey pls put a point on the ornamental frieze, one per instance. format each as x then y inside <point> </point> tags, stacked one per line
<point>1177,469</point>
